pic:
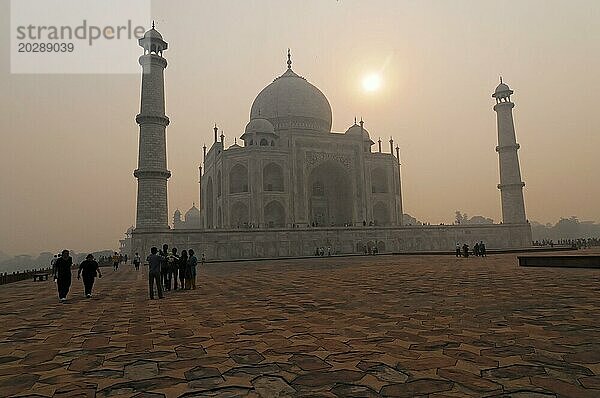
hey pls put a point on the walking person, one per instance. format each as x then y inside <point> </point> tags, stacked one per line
<point>136,261</point>
<point>182,265</point>
<point>192,262</point>
<point>465,250</point>
<point>154,274</point>
<point>62,274</point>
<point>116,260</point>
<point>458,249</point>
<point>89,269</point>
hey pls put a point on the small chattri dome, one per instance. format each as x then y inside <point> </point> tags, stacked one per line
<point>153,34</point>
<point>260,125</point>
<point>192,214</point>
<point>356,130</point>
<point>502,88</point>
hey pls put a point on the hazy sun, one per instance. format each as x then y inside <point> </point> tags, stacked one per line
<point>371,82</point>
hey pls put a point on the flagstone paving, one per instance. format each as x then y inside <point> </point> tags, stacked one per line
<point>400,326</point>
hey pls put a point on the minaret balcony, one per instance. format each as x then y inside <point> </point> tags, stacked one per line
<point>507,148</point>
<point>152,119</point>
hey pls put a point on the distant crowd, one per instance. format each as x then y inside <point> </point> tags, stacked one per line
<point>580,243</point>
<point>166,269</point>
<point>479,250</point>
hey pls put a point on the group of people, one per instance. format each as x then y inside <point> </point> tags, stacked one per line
<point>579,243</point>
<point>166,268</point>
<point>479,250</point>
<point>61,273</point>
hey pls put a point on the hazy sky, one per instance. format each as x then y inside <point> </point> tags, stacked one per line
<point>69,142</point>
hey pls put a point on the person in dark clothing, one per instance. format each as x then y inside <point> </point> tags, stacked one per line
<point>173,260</point>
<point>458,250</point>
<point>154,275</point>
<point>164,268</point>
<point>476,249</point>
<point>482,252</point>
<point>465,250</point>
<point>62,274</point>
<point>182,266</point>
<point>89,269</point>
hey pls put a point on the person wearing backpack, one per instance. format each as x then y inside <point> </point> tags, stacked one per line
<point>89,269</point>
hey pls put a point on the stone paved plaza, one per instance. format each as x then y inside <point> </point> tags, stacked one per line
<point>398,326</point>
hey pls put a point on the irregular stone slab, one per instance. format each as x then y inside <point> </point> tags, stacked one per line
<point>553,363</point>
<point>149,395</point>
<point>469,380</point>
<point>470,357</point>
<point>308,362</point>
<point>563,388</point>
<point>37,357</point>
<point>129,387</point>
<point>434,345</point>
<point>189,352</point>
<point>425,363</point>
<point>86,363</point>
<point>507,351</point>
<point>272,386</point>
<point>140,370</point>
<point>244,371</point>
<point>590,382</point>
<point>513,372</point>
<point>180,333</point>
<point>584,357</point>
<point>17,384</point>
<point>353,390</point>
<point>416,388</point>
<point>324,378</point>
<point>201,372</point>
<point>246,356</point>
<point>223,392</point>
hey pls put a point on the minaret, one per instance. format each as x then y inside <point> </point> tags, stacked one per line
<point>152,173</point>
<point>511,186</point>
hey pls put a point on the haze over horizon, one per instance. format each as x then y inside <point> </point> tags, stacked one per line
<point>70,141</point>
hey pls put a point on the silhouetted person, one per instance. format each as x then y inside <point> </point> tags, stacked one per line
<point>62,274</point>
<point>116,261</point>
<point>192,262</point>
<point>476,249</point>
<point>465,250</point>
<point>182,265</point>
<point>457,249</point>
<point>89,269</point>
<point>154,273</point>
<point>482,250</point>
<point>164,268</point>
<point>173,261</point>
<point>136,261</point>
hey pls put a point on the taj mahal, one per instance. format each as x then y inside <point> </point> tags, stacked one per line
<point>292,184</point>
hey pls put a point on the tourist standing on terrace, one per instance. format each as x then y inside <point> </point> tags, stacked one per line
<point>154,275</point>
<point>182,265</point>
<point>136,261</point>
<point>164,270</point>
<point>89,269</point>
<point>191,272</point>
<point>62,274</point>
<point>173,266</point>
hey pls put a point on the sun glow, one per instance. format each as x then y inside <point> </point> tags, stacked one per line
<point>371,82</point>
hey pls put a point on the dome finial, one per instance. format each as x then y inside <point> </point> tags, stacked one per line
<point>152,24</point>
<point>500,79</point>
<point>289,61</point>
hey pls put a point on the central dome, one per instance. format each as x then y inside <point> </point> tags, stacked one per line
<point>292,102</point>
